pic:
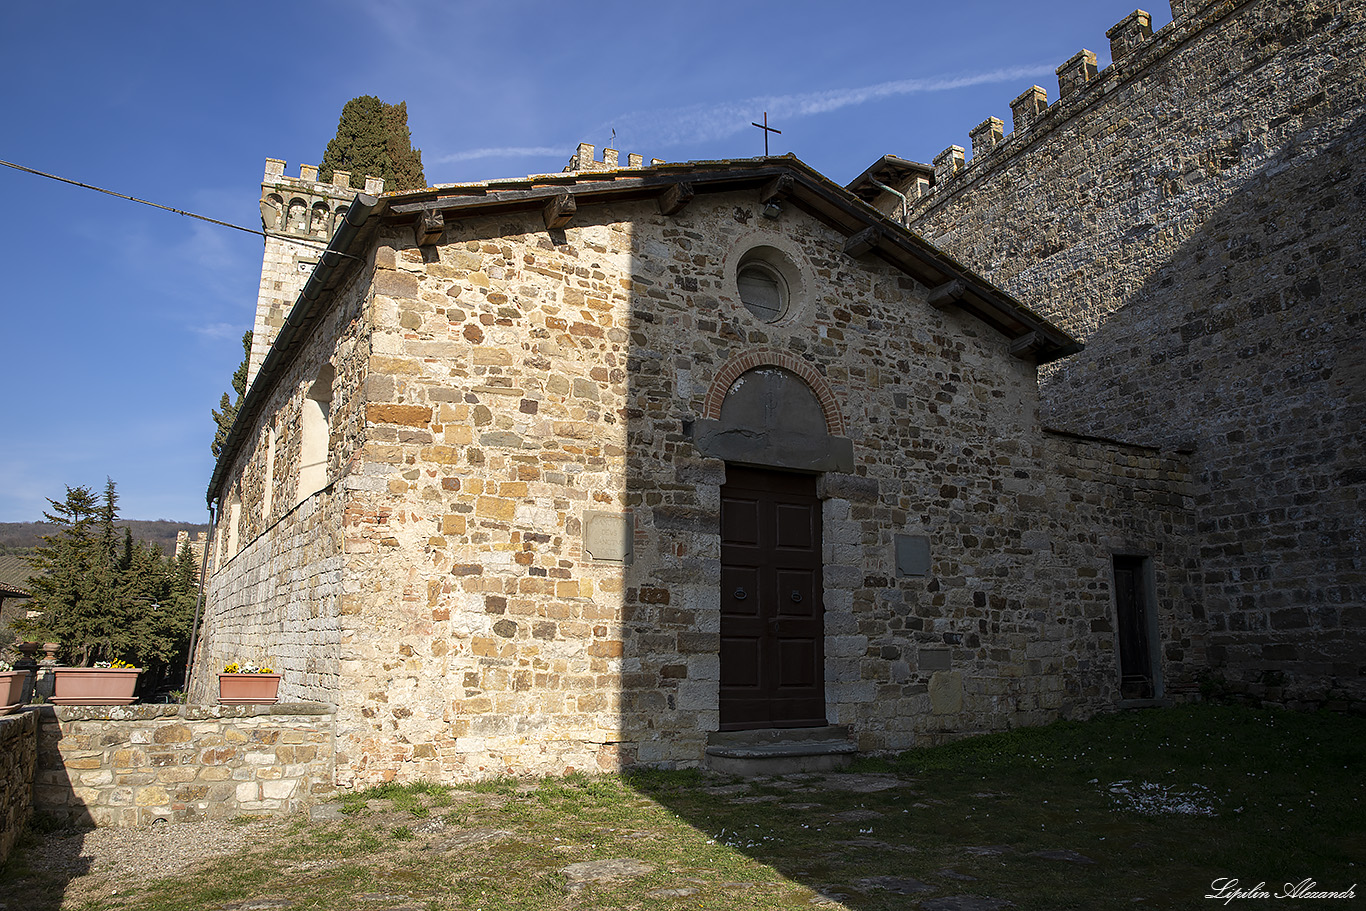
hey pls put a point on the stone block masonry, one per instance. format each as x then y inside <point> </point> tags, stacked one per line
<point>279,552</point>
<point>18,759</point>
<point>133,765</point>
<point>1193,214</point>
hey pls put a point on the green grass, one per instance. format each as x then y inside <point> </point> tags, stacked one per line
<point>416,799</point>
<point>1279,797</point>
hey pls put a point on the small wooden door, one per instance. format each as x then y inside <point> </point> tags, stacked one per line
<point>772,613</point>
<point>1131,614</point>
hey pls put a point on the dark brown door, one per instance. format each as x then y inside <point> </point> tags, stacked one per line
<point>772,614</point>
<point>1131,612</point>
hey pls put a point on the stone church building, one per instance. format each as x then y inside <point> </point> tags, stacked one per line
<point>666,463</point>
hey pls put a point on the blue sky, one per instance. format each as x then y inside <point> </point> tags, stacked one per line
<point>122,323</point>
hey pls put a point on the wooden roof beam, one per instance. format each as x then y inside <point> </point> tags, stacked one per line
<point>946,295</point>
<point>864,242</point>
<point>428,227</point>
<point>1026,346</point>
<point>676,198</point>
<point>777,189</point>
<point>559,210</point>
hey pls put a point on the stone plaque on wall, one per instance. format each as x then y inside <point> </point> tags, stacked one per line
<point>935,659</point>
<point>608,537</point>
<point>912,555</point>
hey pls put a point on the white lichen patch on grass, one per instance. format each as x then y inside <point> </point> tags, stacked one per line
<point>1151,799</point>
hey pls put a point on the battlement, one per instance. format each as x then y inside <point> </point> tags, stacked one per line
<point>299,215</point>
<point>583,160</point>
<point>1131,32</point>
<point>308,179</point>
<point>303,206</point>
<point>195,544</point>
<point>1133,43</point>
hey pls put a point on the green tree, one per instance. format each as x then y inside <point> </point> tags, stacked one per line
<point>373,139</point>
<point>75,588</point>
<point>104,596</point>
<point>162,591</point>
<point>62,563</point>
<point>226,413</point>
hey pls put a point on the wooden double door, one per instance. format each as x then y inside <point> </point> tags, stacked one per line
<point>772,613</point>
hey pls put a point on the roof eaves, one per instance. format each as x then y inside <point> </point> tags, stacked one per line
<point>332,269</point>
<point>885,169</point>
<point>834,205</point>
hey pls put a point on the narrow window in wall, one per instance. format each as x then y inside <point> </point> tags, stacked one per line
<point>314,443</point>
<point>234,521</point>
<point>268,494</point>
<point>1136,626</point>
<point>220,539</point>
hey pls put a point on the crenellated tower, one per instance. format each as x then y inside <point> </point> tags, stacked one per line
<point>299,216</point>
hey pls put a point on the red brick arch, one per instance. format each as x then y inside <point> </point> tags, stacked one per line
<point>771,357</point>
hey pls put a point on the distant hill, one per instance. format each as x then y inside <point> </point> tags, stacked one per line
<point>22,537</point>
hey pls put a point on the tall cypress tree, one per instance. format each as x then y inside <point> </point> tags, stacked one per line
<point>226,412</point>
<point>407,160</point>
<point>373,139</point>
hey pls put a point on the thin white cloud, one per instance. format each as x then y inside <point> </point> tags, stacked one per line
<point>218,330</point>
<point>503,152</point>
<point>711,122</point>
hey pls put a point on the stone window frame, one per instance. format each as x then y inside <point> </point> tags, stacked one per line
<point>777,255</point>
<point>268,487</point>
<point>315,434</point>
<point>759,267</point>
<point>230,517</point>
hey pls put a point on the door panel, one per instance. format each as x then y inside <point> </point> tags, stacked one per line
<point>796,592</point>
<point>739,520</point>
<point>793,526</point>
<point>772,615</point>
<point>1131,614</point>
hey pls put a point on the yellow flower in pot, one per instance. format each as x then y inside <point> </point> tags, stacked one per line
<point>248,684</point>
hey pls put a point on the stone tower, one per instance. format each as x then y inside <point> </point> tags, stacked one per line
<point>299,215</point>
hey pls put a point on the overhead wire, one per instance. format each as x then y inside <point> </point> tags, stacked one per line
<point>155,205</point>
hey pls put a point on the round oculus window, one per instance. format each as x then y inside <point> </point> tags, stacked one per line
<point>763,290</point>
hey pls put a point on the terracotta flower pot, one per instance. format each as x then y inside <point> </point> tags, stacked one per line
<point>248,689</point>
<point>12,691</point>
<point>95,685</point>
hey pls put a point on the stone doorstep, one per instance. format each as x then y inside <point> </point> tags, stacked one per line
<point>780,751</point>
<point>761,736</point>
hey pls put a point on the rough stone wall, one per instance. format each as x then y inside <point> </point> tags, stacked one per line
<point>1193,213</point>
<point>18,761</point>
<point>133,765</point>
<point>276,604</point>
<point>1109,499</point>
<point>520,379</point>
<point>274,598</point>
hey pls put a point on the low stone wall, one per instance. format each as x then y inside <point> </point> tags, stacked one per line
<point>18,755</point>
<point>132,765</point>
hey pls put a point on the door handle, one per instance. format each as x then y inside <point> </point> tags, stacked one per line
<point>740,594</point>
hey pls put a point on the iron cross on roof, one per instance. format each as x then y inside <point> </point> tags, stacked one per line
<point>767,129</point>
